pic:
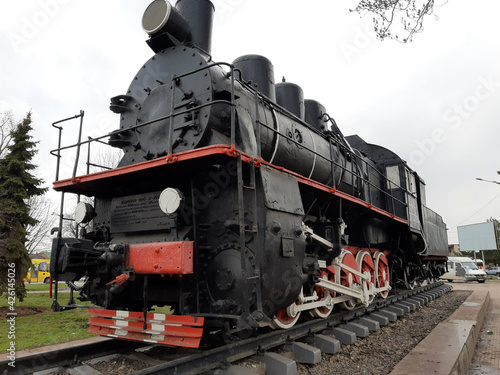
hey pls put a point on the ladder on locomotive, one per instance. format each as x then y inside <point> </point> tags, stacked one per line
<point>250,189</point>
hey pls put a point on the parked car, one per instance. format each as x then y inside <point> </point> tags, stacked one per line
<point>462,268</point>
<point>493,271</point>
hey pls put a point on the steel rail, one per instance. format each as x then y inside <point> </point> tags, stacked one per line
<point>201,360</point>
<point>215,358</point>
<point>67,356</point>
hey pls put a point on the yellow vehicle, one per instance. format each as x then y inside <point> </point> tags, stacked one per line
<point>39,272</point>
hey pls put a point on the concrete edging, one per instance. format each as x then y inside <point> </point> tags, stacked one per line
<point>449,348</point>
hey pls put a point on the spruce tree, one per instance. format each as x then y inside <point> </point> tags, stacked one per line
<point>17,184</point>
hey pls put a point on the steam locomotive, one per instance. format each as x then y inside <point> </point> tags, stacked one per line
<point>237,203</point>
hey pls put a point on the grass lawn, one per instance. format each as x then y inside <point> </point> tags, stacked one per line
<point>42,287</point>
<point>43,327</point>
<point>37,325</point>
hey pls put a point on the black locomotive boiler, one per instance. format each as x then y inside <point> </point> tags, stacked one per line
<point>237,202</point>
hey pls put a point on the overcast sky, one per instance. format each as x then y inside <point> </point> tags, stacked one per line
<point>435,101</point>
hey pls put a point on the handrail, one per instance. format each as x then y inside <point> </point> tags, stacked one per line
<point>139,125</point>
<point>59,149</point>
<point>346,148</point>
<point>343,168</point>
<point>89,164</point>
<point>356,170</point>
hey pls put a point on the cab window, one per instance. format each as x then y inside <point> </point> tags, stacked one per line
<point>411,184</point>
<point>393,180</point>
<point>423,199</point>
<point>42,267</point>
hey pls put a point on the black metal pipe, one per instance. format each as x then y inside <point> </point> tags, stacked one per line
<point>79,144</point>
<point>199,14</point>
<point>58,154</point>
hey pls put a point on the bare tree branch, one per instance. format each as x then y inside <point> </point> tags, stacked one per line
<point>385,13</point>
<point>38,235</point>
<point>104,158</point>
<point>7,124</point>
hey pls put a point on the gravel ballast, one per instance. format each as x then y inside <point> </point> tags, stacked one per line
<point>376,354</point>
<point>382,350</point>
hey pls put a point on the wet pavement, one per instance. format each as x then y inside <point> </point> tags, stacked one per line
<point>486,359</point>
<point>466,343</point>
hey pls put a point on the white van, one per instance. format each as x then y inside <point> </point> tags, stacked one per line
<point>463,268</point>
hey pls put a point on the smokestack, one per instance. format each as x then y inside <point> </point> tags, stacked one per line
<point>199,14</point>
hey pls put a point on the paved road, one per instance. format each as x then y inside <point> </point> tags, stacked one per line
<point>486,360</point>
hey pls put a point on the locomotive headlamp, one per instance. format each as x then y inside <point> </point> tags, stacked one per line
<point>170,200</point>
<point>84,213</point>
<point>161,20</point>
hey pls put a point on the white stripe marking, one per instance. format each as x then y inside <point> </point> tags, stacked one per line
<point>157,327</point>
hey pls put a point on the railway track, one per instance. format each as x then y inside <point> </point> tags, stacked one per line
<point>305,340</point>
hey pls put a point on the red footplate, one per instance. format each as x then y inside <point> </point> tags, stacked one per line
<point>173,330</point>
